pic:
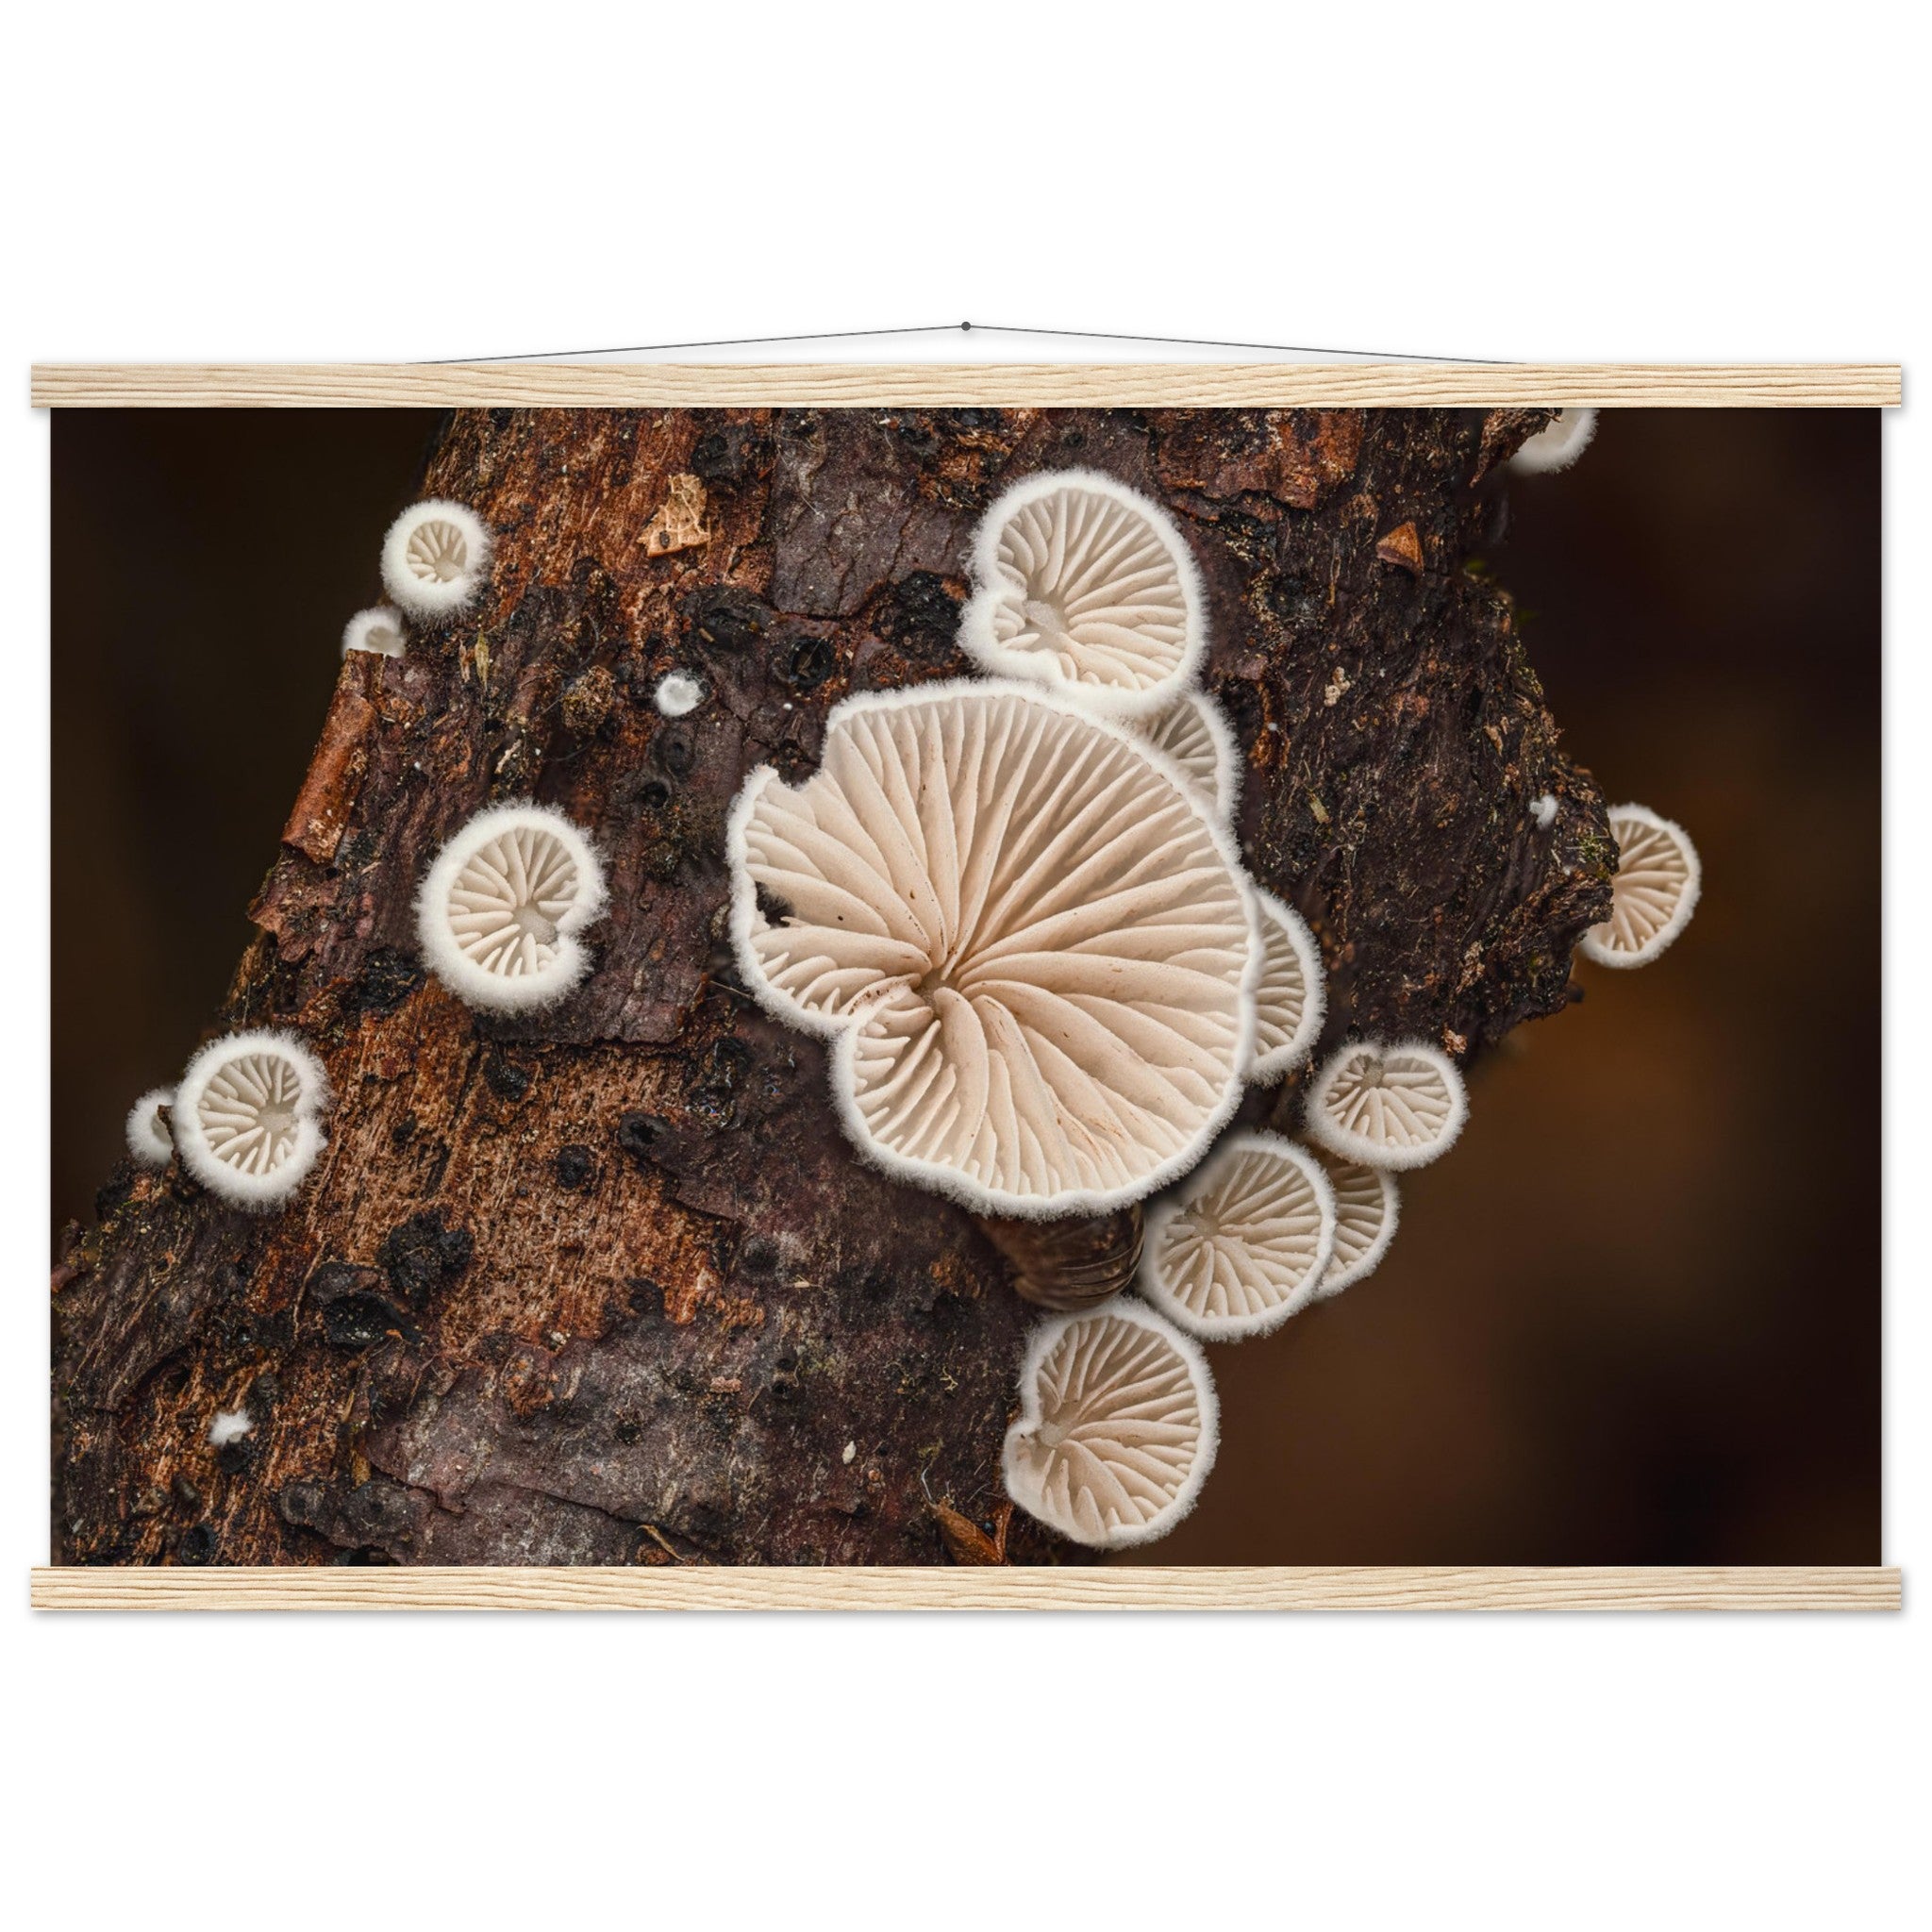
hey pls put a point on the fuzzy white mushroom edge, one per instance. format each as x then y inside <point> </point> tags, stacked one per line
<point>247,1117</point>
<point>499,911</point>
<point>435,559</point>
<point>148,1139</point>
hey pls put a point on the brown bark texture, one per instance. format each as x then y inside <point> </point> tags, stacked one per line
<point>608,1285</point>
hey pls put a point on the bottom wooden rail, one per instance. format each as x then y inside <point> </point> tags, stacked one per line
<point>1340,1587</point>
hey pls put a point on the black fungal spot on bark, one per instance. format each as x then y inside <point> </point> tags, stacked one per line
<point>573,1167</point>
<point>638,1133</point>
<point>363,1319</point>
<point>424,1255</point>
<point>733,621</point>
<point>807,664</point>
<point>196,1546</point>
<point>723,459</point>
<point>506,1079</point>
<point>675,748</point>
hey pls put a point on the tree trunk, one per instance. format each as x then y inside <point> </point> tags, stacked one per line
<point>608,1285</point>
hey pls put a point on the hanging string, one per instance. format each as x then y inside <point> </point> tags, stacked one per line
<point>944,328</point>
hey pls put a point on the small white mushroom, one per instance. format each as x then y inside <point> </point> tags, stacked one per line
<point>1397,1105</point>
<point>434,559</point>
<point>1192,734</point>
<point>379,630</point>
<point>1031,942</point>
<point>1117,1430</point>
<point>499,914</point>
<point>1366,1211</point>
<point>1655,893</point>
<point>1290,997</point>
<point>247,1117</point>
<point>1543,810</point>
<point>1557,445</point>
<point>678,694</point>
<point>148,1139</point>
<point>230,1425</point>
<point>1084,583</point>
<point>1243,1242</point>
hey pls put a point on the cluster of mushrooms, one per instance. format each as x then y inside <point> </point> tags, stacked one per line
<point>1015,908</point>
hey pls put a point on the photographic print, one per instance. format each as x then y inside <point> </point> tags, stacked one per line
<point>706,988</point>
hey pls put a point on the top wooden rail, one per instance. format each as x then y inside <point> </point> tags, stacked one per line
<point>1203,385</point>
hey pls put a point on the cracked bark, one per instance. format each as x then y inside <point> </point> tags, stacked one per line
<point>607,1284</point>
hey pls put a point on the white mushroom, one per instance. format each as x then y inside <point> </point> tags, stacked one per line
<point>148,1140</point>
<point>499,914</point>
<point>678,694</point>
<point>1116,1429</point>
<point>1397,1105</point>
<point>1655,893</point>
<point>1030,940</point>
<point>1243,1242</point>
<point>1290,997</point>
<point>1366,1210</point>
<point>1192,734</point>
<point>230,1425</point>
<point>1557,445</point>
<point>1084,583</point>
<point>247,1117</point>
<point>379,631</point>
<point>435,558</point>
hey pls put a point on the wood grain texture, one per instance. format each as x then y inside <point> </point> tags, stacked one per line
<point>876,1588</point>
<point>1256,384</point>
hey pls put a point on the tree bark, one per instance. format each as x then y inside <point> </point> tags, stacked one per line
<point>608,1285</point>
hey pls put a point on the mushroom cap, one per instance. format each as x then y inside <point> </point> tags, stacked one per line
<point>1557,445</point>
<point>1028,939</point>
<point>1654,894</point>
<point>148,1140</point>
<point>1243,1242</point>
<point>1192,735</point>
<point>1085,584</point>
<point>1117,1430</point>
<point>379,630</point>
<point>1366,1210</point>
<point>678,694</point>
<point>247,1116</point>
<point>1385,1105</point>
<point>1291,995</point>
<point>500,909</point>
<point>435,558</point>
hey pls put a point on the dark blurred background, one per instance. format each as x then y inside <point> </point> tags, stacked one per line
<point>1633,1318</point>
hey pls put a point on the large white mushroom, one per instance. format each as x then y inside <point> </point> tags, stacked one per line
<point>1243,1242</point>
<point>1029,940</point>
<point>247,1117</point>
<point>1388,1106</point>
<point>1083,583</point>
<point>1117,1430</point>
<point>1655,893</point>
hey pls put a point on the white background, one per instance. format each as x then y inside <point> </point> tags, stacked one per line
<point>1652,182</point>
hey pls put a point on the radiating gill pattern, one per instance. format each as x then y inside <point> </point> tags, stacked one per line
<point>437,551</point>
<point>1084,582</point>
<point>250,1110</point>
<point>1388,1106</point>
<point>1040,943</point>
<point>1654,893</point>
<point>1192,733</point>
<point>1365,1214</point>
<point>506,903</point>
<point>1289,996</point>
<point>1244,1241</point>
<point>1117,1428</point>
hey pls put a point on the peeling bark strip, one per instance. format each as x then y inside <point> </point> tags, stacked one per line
<point>607,1284</point>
